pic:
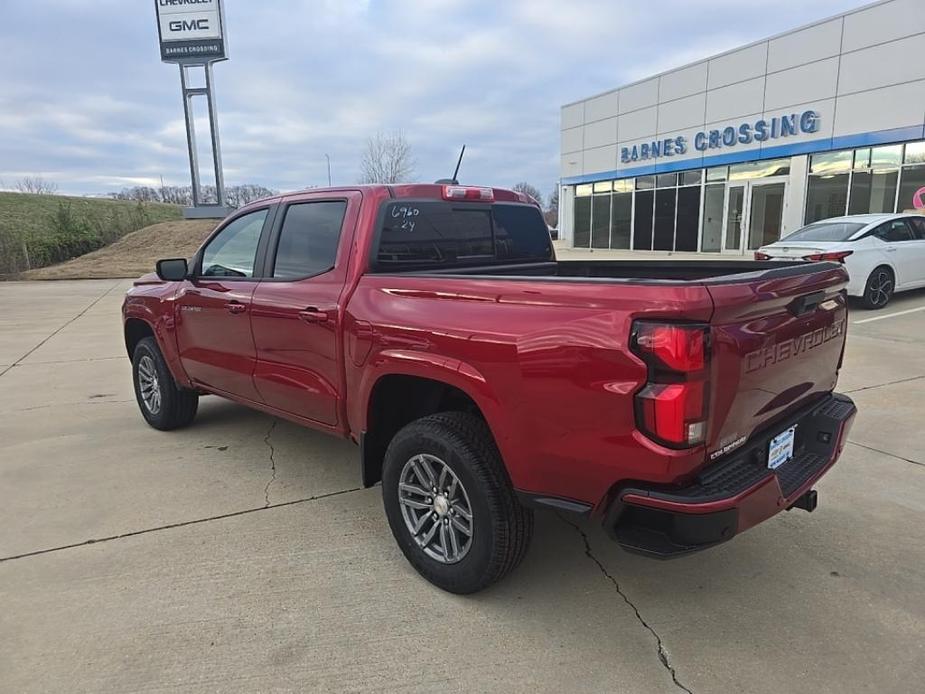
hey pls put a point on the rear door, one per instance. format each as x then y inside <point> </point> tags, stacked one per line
<point>916,252</point>
<point>297,308</point>
<point>899,247</point>
<point>777,344</point>
<point>213,319</point>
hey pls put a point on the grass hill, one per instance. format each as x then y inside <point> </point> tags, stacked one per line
<point>39,230</point>
<point>134,254</point>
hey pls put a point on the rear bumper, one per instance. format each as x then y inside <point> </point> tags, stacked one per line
<point>734,494</point>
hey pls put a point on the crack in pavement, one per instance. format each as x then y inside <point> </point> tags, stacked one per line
<point>886,453</point>
<point>662,653</point>
<point>91,305</point>
<point>68,361</point>
<point>180,524</point>
<point>883,385</point>
<point>32,408</point>
<point>266,440</point>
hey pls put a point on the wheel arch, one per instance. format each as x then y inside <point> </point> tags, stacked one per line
<point>140,322</point>
<point>134,331</point>
<point>399,396</point>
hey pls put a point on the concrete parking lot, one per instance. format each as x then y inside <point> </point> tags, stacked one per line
<point>240,554</point>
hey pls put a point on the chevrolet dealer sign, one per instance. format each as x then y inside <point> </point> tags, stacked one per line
<point>191,31</point>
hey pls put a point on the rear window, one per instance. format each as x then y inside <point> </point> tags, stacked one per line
<point>444,234</point>
<point>826,231</point>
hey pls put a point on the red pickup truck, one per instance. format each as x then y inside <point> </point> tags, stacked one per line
<point>678,403</point>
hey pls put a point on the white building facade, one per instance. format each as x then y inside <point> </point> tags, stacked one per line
<point>730,153</point>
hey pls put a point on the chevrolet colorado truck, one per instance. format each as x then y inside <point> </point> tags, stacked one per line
<point>677,403</point>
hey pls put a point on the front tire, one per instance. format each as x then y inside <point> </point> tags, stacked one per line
<point>450,504</point>
<point>163,403</point>
<point>879,288</point>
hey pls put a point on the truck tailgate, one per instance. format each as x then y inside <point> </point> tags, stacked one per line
<point>777,344</point>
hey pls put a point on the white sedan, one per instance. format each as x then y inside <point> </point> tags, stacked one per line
<point>883,253</point>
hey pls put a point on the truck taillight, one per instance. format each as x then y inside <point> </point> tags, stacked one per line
<point>672,408</point>
<point>468,193</point>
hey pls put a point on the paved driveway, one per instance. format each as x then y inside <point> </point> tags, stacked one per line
<point>240,554</point>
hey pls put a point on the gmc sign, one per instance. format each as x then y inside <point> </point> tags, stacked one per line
<point>191,25</point>
<point>191,31</point>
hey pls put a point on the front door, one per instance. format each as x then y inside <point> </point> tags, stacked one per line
<point>754,214</point>
<point>297,314</point>
<point>214,337</point>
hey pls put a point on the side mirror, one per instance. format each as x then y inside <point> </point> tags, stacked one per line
<point>172,269</point>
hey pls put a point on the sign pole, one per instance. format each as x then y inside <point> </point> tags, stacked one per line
<point>192,34</point>
<point>216,144</point>
<point>190,136</point>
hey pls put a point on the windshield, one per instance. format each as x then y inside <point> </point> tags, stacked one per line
<point>826,231</point>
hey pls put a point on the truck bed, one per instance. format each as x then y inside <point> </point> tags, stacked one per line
<point>674,271</point>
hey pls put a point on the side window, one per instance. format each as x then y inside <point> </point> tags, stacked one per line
<point>918,226</point>
<point>308,240</point>
<point>232,253</point>
<point>894,231</point>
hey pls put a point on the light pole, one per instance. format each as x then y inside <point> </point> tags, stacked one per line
<point>329,169</point>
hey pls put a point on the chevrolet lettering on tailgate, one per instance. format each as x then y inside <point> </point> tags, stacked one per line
<point>793,347</point>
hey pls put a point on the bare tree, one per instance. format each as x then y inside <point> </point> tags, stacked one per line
<point>527,189</point>
<point>237,196</point>
<point>552,208</point>
<point>387,159</point>
<point>36,185</point>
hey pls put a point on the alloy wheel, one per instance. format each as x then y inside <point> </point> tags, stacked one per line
<point>435,508</point>
<point>148,384</point>
<point>881,287</point>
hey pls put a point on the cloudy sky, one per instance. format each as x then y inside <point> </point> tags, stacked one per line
<point>85,101</point>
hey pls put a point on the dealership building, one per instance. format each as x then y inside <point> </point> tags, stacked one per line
<point>730,153</point>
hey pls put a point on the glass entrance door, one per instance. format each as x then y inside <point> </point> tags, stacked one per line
<point>754,214</point>
<point>735,217</point>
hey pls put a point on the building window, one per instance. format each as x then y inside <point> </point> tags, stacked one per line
<point>826,196</point>
<point>913,180</point>
<point>862,181</point>
<point>582,231</point>
<point>621,220</point>
<point>915,153</point>
<point>642,220</point>
<point>765,214</point>
<point>886,157</point>
<point>872,191</point>
<point>759,169</point>
<point>829,163</point>
<point>688,218</point>
<point>600,221</point>
<point>663,237</point>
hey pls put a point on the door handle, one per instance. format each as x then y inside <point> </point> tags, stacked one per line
<point>235,307</point>
<point>891,249</point>
<point>314,315</point>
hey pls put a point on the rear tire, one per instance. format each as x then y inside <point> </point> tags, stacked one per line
<point>473,492</point>
<point>879,288</point>
<point>163,403</point>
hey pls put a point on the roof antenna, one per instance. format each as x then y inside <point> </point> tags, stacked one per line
<point>454,181</point>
